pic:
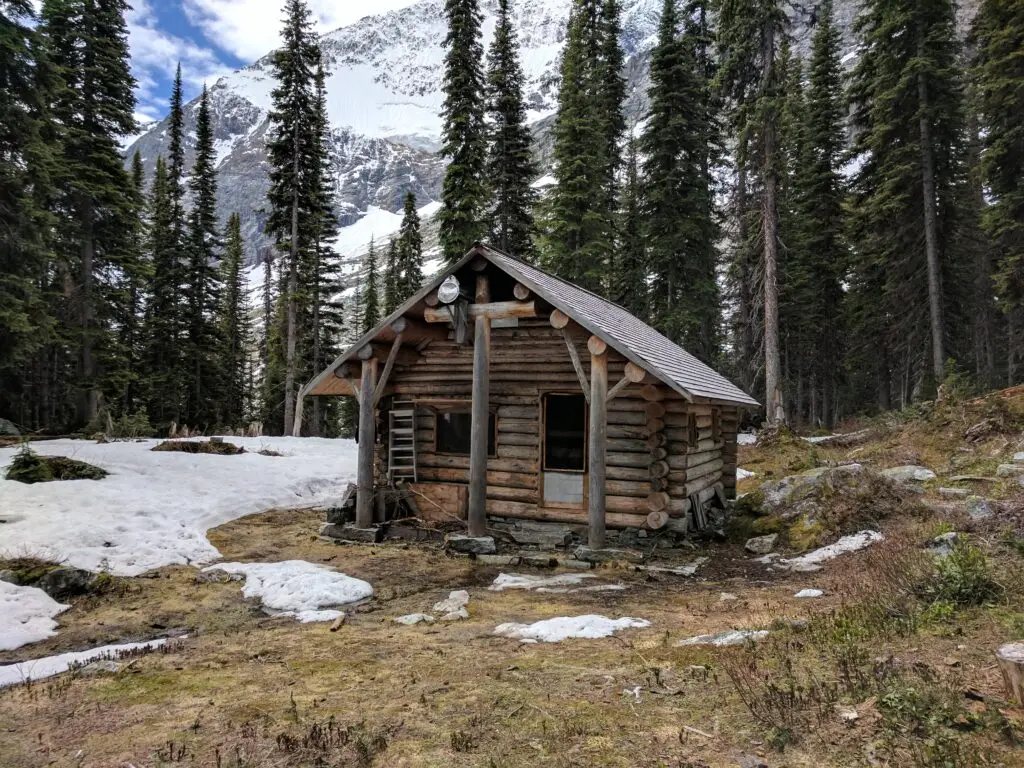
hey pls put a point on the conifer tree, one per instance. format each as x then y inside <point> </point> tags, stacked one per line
<point>998,71</point>
<point>88,45</point>
<point>293,160</point>
<point>906,96</point>
<point>235,327</point>
<point>610,90</point>
<point>463,193</point>
<point>680,225</point>
<point>629,278</point>
<point>203,281</point>
<point>577,241</point>
<point>131,302</point>
<point>26,321</point>
<point>409,271</point>
<point>391,275</point>
<point>371,303</point>
<point>510,168</point>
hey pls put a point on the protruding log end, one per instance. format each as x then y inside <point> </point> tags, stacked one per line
<point>365,353</point>
<point>400,325</point>
<point>559,319</point>
<point>653,393</point>
<point>479,264</point>
<point>654,410</point>
<point>597,345</point>
<point>658,501</point>
<point>634,373</point>
<point>657,520</point>
<point>521,292</point>
<point>431,300</point>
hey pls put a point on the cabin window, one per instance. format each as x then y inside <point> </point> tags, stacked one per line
<point>565,433</point>
<point>453,431</point>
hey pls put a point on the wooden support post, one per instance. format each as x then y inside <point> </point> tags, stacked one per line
<point>598,441</point>
<point>560,322</point>
<point>383,381</point>
<point>364,470</point>
<point>480,414</point>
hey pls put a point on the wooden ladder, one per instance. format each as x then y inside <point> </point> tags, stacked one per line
<point>402,448</point>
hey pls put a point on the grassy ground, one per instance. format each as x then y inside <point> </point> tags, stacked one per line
<point>885,672</point>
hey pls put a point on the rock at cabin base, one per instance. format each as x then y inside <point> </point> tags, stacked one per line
<point>607,555</point>
<point>978,508</point>
<point>911,473</point>
<point>351,533</point>
<point>761,545</point>
<point>470,545</point>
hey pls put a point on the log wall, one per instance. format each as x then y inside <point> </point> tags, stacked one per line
<point>661,449</point>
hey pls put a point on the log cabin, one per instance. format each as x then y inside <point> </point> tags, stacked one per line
<point>501,390</point>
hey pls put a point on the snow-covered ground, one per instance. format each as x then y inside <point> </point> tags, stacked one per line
<point>154,508</point>
<point>48,666</point>
<point>297,588</point>
<point>26,615</point>
<point>555,630</point>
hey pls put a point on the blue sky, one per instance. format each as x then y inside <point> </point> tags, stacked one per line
<point>213,37</point>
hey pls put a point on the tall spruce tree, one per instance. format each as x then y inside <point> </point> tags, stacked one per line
<point>906,95</point>
<point>462,217</point>
<point>997,73</point>
<point>510,168</point>
<point>235,328</point>
<point>409,272</point>
<point>749,35</point>
<point>371,302</point>
<point>680,225</point>
<point>294,162</point>
<point>630,276</point>
<point>391,275</point>
<point>203,282</point>
<point>577,241</point>
<point>609,86</point>
<point>87,42</point>
<point>132,301</point>
<point>26,321</point>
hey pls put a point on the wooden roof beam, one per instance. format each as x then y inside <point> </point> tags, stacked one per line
<point>494,310</point>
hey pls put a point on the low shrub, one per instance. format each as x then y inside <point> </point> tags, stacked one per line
<point>963,578</point>
<point>29,467</point>
<point>218,447</point>
<point>126,427</point>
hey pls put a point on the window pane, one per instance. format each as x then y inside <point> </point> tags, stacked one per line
<point>453,432</point>
<point>565,432</point>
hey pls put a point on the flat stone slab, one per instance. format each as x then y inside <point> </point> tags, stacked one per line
<point>571,562</point>
<point>351,533</point>
<point>761,545</point>
<point>978,508</point>
<point>910,473</point>
<point>957,493</point>
<point>498,559</point>
<point>1009,470</point>
<point>1018,458</point>
<point>607,555</point>
<point>471,545</point>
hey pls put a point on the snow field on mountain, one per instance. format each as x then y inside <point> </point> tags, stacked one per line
<point>154,508</point>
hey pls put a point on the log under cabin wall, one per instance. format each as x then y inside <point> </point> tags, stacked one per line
<point>662,452</point>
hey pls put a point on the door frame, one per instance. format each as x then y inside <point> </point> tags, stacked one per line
<point>542,431</point>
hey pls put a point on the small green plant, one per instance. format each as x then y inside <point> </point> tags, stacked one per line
<point>29,467</point>
<point>964,578</point>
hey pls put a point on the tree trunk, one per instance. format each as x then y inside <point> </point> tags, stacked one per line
<point>772,373</point>
<point>931,234</point>
<point>293,287</point>
<point>88,403</point>
<point>745,309</point>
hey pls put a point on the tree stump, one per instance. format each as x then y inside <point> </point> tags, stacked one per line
<point>1011,664</point>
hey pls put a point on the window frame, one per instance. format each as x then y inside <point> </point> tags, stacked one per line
<point>542,432</point>
<point>492,417</point>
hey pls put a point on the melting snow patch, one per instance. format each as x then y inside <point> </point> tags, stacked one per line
<point>414,618</point>
<point>729,637</point>
<point>809,593</point>
<point>26,615</point>
<point>555,630</point>
<point>49,666</point>
<point>746,438</point>
<point>743,474</point>
<point>812,560</point>
<point>561,583</point>
<point>297,588</point>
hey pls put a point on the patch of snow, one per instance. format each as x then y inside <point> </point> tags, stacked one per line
<point>555,630</point>
<point>154,508</point>
<point>456,601</point>
<point>743,474</point>
<point>729,637</point>
<point>746,438</point>
<point>414,618</point>
<point>48,666</point>
<point>297,588</point>
<point>813,560</point>
<point>26,615</point>
<point>544,181</point>
<point>809,593</point>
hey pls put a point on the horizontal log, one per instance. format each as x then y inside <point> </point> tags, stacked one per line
<point>620,431</point>
<point>506,493</point>
<point>627,444</point>
<point>517,412</point>
<point>657,501</point>
<point>629,418</point>
<point>696,459</point>
<point>637,488</point>
<point>496,310</point>
<point>493,464</point>
<point>627,473</point>
<point>701,484</point>
<point>522,426</point>
<point>639,460</point>
<point>707,468</point>
<point>516,438</point>
<point>524,480</point>
<point>506,451</point>
<point>526,511</point>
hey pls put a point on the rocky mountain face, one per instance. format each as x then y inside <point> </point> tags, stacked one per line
<point>384,76</point>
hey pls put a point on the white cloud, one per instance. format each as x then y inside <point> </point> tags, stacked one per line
<point>155,54</point>
<point>250,28</point>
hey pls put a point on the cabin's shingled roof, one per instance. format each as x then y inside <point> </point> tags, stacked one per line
<point>628,335</point>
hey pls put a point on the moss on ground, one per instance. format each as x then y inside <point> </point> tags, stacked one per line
<point>218,447</point>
